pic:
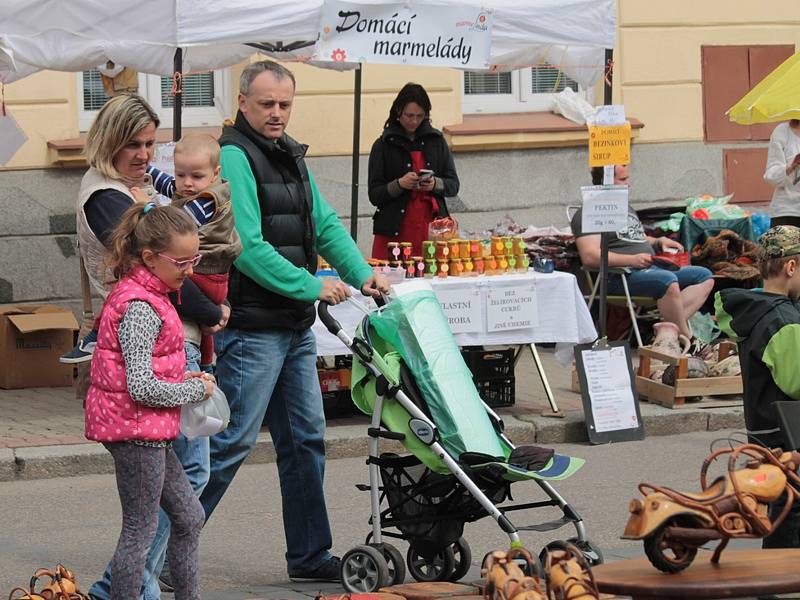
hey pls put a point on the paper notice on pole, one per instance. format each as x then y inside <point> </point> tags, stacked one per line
<point>511,306</point>
<point>605,208</point>
<point>609,381</point>
<point>610,114</point>
<point>12,138</point>
<point>462,307</point>
<point>609,145</point>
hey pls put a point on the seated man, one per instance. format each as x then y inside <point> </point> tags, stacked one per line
<point>679,294</point>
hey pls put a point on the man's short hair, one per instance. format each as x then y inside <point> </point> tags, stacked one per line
<point>255,69</point>
<point>199,143</point>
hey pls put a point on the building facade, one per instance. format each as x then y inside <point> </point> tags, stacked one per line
<point>677,67</point>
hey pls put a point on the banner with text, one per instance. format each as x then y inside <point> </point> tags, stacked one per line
<point>414,34</point>
<point>511,306</point>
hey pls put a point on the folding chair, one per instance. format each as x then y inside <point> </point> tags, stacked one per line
<point>635,304</point>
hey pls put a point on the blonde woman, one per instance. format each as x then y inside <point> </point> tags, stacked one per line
<point>119,148</point>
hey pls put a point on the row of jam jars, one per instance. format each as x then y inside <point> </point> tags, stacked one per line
<point>399,251</point>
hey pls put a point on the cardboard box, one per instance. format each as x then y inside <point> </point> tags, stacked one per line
<point>333,380</point>
<point>32,337</point>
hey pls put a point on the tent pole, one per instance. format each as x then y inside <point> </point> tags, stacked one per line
<point>177,101</point>
<point>604,238</point>
<point>356,147</point>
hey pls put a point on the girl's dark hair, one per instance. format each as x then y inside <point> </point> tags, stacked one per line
<point>411,92</point>
<point>138,230</point>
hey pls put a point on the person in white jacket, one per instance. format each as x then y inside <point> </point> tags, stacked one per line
<point>782,173</point>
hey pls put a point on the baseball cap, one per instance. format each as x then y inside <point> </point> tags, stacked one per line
<point>782,240</point>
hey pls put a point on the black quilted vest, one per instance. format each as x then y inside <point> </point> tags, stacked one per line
<point>286,202</point>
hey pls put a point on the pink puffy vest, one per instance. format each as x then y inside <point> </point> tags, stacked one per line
<point>111,414</point>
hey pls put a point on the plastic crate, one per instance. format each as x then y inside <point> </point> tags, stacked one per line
<point>496,391</point>
<point>337,404</point>
<point>488,364</point>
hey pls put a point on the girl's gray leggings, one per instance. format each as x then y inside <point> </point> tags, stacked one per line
<point>146,478</point>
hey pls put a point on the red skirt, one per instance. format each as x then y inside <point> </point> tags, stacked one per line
<point>419,213</point>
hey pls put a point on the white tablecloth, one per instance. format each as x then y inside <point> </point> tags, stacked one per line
<point>562,313</point>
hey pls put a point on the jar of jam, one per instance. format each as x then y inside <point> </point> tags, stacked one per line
<point>475,249</point>
<point>455,248</point>
<point>393,251</point>
<point>469,267</point>
<point>522,262</point>
<point>419,266</point>
<point>442,268</point>
<point>394,264</point>
<point>442,250</point>
<point>508,245</point>
<point>480,265</point>
<point>464,248</point>
<point>486,248</point>
<point>502,264</point>
<point>519,245</point>
<point>498,248</point>
<point>491,265</point>
<point>406,248</point>
<point>456,267</point>
<point>430,267</point>
<point>411,268</point>
<point>512,263</point>
<point>428,249</point>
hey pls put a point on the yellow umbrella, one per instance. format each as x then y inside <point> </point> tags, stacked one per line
<point>774,98</point>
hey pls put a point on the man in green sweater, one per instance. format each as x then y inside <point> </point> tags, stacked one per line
<point>766,324</point>
<point>266,357</point>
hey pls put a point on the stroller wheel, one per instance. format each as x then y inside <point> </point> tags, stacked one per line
<point>462,559</point>
<point>591,552</point>
<point>397,566</point>
<point>430,566</point>
<point>364,570</point>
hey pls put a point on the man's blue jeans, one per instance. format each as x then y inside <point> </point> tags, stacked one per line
<point>273,372</point>
<point>194,457</point>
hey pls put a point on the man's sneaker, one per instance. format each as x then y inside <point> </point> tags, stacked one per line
<point>83,351</point>
<point>330,570</point>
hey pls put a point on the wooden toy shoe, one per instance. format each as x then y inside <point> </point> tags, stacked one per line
<point>569,576</point>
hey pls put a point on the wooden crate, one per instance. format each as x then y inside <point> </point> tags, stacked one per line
<point>674,396</point>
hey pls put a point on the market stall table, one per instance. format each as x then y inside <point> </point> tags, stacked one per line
<point>740,573</point>
<point>547,308</point>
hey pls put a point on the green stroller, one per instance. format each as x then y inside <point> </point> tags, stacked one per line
<point>408,374</point>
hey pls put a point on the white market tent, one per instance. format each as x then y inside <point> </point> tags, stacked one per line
<point>149,35</point>
<point>80,34</point>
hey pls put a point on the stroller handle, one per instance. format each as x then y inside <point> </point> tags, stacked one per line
<point>331,324</point>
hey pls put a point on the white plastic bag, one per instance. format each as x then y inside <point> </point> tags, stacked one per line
<point>207,417</point>
<point>573,106</point>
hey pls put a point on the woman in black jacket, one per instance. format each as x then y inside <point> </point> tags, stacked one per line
<point>407,198</point>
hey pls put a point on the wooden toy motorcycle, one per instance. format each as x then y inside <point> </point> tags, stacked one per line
<point>673,525</point>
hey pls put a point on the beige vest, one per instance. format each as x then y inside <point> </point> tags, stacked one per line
<point>92,250</point>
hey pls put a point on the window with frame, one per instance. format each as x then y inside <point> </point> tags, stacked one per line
<point>206,97</point>
<point>522,90</point>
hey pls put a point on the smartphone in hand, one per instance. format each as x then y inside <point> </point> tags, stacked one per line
<point>425,174</point>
